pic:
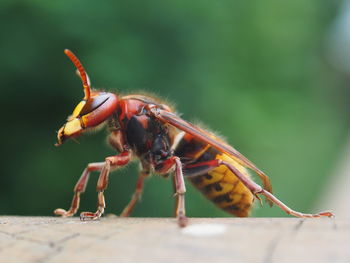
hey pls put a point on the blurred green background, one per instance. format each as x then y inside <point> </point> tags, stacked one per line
<point>255,71</point>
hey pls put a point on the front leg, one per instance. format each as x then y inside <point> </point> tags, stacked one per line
<point>102,183</point>
<point>79,189</point>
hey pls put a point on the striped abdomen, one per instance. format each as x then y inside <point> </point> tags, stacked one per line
<point>224,189</point>
<point>218,184</point>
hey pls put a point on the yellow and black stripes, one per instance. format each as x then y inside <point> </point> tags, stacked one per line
<point>224,189</point>
<point>218,183</point>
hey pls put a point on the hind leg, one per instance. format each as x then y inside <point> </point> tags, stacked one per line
<point>204,167</point>
<point>257,189</point>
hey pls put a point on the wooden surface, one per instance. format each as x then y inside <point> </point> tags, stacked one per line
<point>219,240</point>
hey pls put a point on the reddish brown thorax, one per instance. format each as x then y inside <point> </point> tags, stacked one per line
<point>145,128</point>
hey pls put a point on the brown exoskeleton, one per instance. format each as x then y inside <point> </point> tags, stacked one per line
<point>145,128</point>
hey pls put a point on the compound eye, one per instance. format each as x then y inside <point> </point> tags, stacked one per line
<point>93,103</point>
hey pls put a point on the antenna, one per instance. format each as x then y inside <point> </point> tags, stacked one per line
<point>82,72</point>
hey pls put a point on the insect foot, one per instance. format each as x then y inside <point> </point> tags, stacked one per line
<point>146,129</point>
<point>63,213</point>
<point>182,220</point>
<point>90,216</point>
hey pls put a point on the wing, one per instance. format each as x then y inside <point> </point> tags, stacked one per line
<point>221,146</point>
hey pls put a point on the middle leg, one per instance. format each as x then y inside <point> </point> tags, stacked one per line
<point>137,194</point>
<point>173,164</point>
<point>179,181</point>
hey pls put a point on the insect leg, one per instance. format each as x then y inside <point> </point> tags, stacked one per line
<point>206,137</point>
<point>79,189</point>
<point>180,189</point>
<point>137,194</point>
<point>168,166</point>
<point>257,189</point>
<point>102,183</point>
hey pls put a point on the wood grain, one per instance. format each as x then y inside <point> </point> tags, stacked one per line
<point>124,240</point>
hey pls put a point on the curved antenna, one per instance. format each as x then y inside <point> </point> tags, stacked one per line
<point>87,77</point>
<point>82,72</point>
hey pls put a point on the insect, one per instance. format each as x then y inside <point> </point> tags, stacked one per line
<point>145,128</point>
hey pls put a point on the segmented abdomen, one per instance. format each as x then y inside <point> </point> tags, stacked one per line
<point>224,189</point>
<point>219,184</point>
